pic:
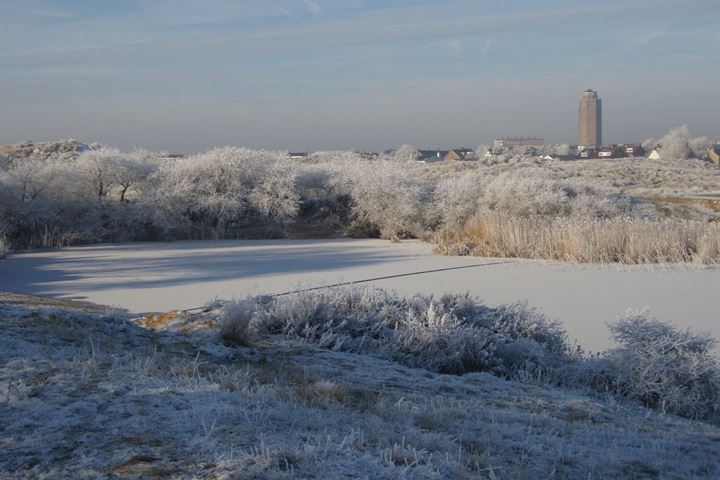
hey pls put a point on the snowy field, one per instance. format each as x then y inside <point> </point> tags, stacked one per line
<point>164,276</point>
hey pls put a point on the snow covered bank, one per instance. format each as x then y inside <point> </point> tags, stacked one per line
<point>90,395</point>
<point>165,276</point>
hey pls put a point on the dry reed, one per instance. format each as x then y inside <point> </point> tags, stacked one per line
<point>583,240</point>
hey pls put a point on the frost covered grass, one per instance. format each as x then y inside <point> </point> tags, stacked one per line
<point>84,394</point>
<point>235,327</point>
<point>585,240</point>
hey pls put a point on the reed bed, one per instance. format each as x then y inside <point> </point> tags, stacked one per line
<point>585,240</point>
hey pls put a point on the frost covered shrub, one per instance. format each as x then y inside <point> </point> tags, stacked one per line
<point>108,174</point>
<point>525,192</point>
<point>675,144</point>
<point>314,182</point>
<point>458,197</point>
<point>225,189</point>
<point>666,368</point>
<point>321,203</point>
<point>453,334</point>
<point>39,206</point>
<point>95,194</point>
<point>518,321</point>
<point>596,372</point>
<point>388,198</point>
<point>510,158</point>
<point>438,340</point>
<point>532,345</point>
<point>534,192</point>
<point>678,145</point>
<point>102,193</point>
<point>404,153</point>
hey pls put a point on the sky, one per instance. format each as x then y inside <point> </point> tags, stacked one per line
<point>186,75</point>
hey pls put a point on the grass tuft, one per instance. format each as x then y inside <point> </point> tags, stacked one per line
<point>4,247</point>
<point>235,326</point>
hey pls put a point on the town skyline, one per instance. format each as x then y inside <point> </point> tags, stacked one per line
<point>319,75</point>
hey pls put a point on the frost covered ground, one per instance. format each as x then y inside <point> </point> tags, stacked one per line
<point>164,276</point>
<point>88,393</point>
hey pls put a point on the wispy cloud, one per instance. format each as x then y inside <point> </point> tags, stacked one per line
<point>485,50</point>
<point>283,11</point>
<point>314,8</point>
<point>457,50</point>
<point>424,23</point>
<point>51,13</point>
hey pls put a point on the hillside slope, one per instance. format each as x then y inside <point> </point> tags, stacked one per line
<point>89,393</point>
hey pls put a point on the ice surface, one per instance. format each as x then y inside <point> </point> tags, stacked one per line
<point>163,276</point>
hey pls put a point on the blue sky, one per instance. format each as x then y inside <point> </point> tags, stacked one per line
<point>184,75</point>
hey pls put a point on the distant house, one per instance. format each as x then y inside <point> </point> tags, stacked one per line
<point>429,156</point>
<point>606,151</point>
<point>611,151</point>
<point>297,155</point>
<point>714,153</point>
<point>369,155</point>
<point>655,155</point>
<point>587,153</point>
<point>173,156</point>
<point>633,150</point>
<point>510,142</point>
<point>460,154</point>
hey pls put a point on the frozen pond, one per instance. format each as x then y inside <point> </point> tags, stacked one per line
<point>164,276</point>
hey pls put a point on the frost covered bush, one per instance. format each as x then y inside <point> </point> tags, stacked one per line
<point>36,202</point>
<point>533,192</point>
<point>458,198</point>
<point>677,144</point>
<point>94,194</point>
<point>674,144</point>
<point>404,153</point>
<point>453,334</point>
<point>225,189</point>
<point>388,199</point>
<point>438,340</point>
<point>518,321</point>
<point>524,192</point>
<point>673,370</point>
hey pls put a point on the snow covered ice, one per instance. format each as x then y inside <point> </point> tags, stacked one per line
<point>164,276</point>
